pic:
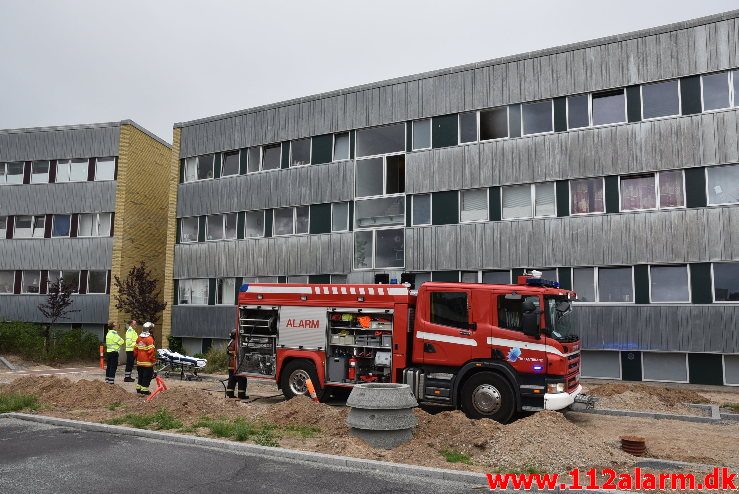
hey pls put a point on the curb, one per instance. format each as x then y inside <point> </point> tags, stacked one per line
<point>649,415</point>
<point>277,453</point>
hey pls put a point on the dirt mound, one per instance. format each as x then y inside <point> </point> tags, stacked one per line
<point>669,396</point>
<point>301,410</point>
<point>453,430</point>
<point>548,441</point>
<point>189,403</point>
<point>64,393</point>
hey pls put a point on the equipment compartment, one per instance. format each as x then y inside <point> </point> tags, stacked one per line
<point>359,340</point>
<point>257,340</point>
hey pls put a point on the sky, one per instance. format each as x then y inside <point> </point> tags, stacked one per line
<point>65,62</point>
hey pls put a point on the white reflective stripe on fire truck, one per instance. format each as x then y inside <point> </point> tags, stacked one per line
<point>381,291</point>
<point>352,291</point>
<point>397,291</point>
<point>446,338</point>
<point>524,345</point>
<point>325,290</point>
<point>371,290</point>
<point>343,290</point>
<point>278,289</point>
<point>334,291</point>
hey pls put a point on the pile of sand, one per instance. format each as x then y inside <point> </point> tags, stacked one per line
<point>643,397</point>
<point>453,430</point>
<point>301,410</point>
<point>64,393</point>
<point>549,442</point>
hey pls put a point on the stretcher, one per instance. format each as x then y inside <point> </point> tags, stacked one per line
<point>171,363</point>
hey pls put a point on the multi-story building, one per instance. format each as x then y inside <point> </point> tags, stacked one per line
<point>608,164</point>
<point>84,202</point>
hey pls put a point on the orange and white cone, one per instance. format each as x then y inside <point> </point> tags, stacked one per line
<point>311,389</point>
<point>160,387</point>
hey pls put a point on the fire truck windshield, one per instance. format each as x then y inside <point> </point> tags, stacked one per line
<point>559,318</point>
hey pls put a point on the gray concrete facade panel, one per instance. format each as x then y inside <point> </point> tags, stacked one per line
<point>202,321</point>
<point>98,140</point>
<point>315,184</point>
<point>672,236</point>
<point>674,328</point>
<point>56,253</point>
<point>700,140</point>
<point>665,52</point>
<point>80,197</point>
<point>92,309</point>
<point>276,256</point>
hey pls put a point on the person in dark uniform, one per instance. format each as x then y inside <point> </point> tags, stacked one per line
<point>233,379</point>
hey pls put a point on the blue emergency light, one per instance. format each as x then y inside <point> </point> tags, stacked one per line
<point>542,283</point>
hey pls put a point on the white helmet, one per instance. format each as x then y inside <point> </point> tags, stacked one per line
<point>148,325</point>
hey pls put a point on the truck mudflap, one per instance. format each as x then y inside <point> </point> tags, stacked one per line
<point>559,401</point>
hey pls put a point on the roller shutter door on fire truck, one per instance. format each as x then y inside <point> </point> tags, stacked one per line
<point>302,327</point>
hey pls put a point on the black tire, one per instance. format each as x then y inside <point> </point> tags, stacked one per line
<point>488,395</point>
<point>292,371</point>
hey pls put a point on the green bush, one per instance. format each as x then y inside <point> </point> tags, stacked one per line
<point>217,360</point>
<point>175,344</point>
<point>27,341</point>
<point>14,402</point>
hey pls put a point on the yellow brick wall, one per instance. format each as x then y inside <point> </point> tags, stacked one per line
<point>141,205</point>
<point>174,177</point>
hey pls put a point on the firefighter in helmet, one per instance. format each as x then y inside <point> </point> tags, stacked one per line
<point>233,379</point>
<point>146,356</point>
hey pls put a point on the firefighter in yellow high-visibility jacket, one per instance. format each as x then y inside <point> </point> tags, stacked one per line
<point>131,337</point>
<point>113,343</point>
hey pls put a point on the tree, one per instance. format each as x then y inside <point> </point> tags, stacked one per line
<point>58,300</point>
<point>138,295</point>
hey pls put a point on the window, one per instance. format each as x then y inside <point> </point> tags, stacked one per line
<point>300,279</point>
<point>519,199</point>
<point>341,146</point>
<point>494,123</point>
<point>384,211</point>
<point>11,173</point>
<point>289,221</point>
<point>7,281</point>
<point>669,284</point>
<point>723,184</point>
<point>421,212</point>
<point>549,274</point>
<point>639,192</point>
<point>189,228</point>
<point>30,282</point>
<point>29,227</point>
<point>97,281</point>
<point>609,107</point>
<point>468,127</point>
<point>474,205</point>
<point>615,285</point>
<point>339,216</point>
<point>220,227</point>
<point>583,283</point>
<point>302,219</point>
<point>254,224</point>
<point>230,163</point>
<point>40,172</point>
<point>422,134</point>
<point>469,277</point>
<point>586,196</point>
<point>271,157</point>
<point>660,99</point>
<point>537,117</point>
<point>104,169</point>
<point>193,292</point>
<point>380,176</point>
<point>60,225</point>
<point>381,140</point>
<point>191,169</point>
<point>93,225</point>
<point>226,291</point>
<point>716,91</point>
<point>3,227</point>
<point>735,79</point>
<point>74,170</point>
<point>254,159</point>
<point>499,277</point>
<point>578,111</point>
<point>205,166</point>
<point>300,152</point>
<point>379,249</point>
<point>726,281</point>
<point>71,278</point>
<point>339,279</point>
<point>449,309</point>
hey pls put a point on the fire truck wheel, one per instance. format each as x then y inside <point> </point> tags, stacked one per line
<point>294,375</point>
<point>488,395</point>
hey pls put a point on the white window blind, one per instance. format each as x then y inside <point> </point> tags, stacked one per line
<point>545,199</point>
<point>474,205</point>
<point>517,201</point>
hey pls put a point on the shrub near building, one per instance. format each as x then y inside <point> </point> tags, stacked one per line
<point>26,340</point>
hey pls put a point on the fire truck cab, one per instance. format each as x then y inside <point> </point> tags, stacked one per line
<point>491,350</point>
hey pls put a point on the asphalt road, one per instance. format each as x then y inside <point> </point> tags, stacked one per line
<point>38,458</point>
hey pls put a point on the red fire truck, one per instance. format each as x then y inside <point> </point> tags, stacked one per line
<point>491,350</point>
